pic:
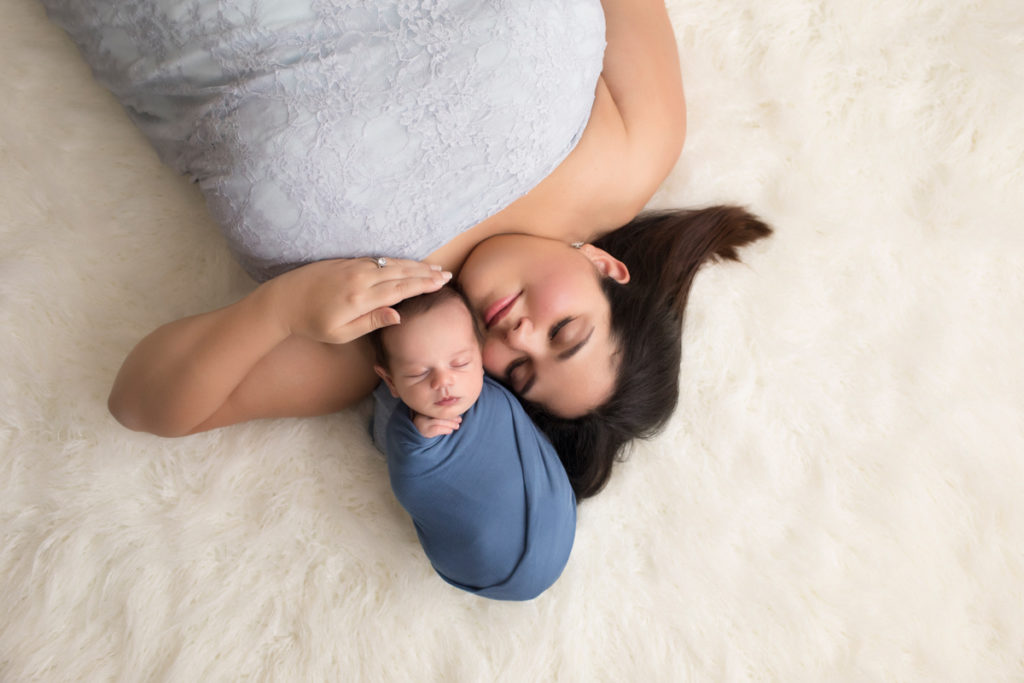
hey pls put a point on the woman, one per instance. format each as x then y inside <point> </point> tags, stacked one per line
<point>554,309</point>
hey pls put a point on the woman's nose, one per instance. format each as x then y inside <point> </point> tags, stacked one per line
<point>522,336</point>
<point>502,346</point>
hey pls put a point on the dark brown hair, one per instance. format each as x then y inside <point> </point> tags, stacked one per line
<point>663,251</point>
<point>408,308</point>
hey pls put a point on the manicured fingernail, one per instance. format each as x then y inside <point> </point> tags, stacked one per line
<point>446,275</point>
<point>435,267</point>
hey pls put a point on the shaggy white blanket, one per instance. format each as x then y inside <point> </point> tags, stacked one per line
<point>838,497</point>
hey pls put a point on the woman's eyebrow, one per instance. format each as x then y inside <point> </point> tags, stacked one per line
<point>570,352</point>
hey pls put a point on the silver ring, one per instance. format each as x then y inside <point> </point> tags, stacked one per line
<point>380,261</point>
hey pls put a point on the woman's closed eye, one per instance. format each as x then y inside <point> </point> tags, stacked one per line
<point>557,328</point>
<point>519,374</point>
<point>569,336</point>
<point>566,337</point>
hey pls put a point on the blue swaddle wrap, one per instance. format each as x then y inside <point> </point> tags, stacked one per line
<point>492,505</point>
<point>332,128</point>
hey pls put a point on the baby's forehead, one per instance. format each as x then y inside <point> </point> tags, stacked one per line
<point>430,328</point>
<point>453,311</point>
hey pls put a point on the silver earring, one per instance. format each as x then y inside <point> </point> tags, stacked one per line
<point>576,245</point>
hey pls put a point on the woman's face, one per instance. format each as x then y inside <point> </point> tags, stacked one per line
<point>547,322</point>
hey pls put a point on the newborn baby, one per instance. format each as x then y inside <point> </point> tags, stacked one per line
<point>489,497</point>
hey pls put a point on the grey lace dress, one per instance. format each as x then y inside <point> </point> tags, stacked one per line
<point>333,128</point>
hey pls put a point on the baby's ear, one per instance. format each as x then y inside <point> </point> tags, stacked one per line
<point>386,376</point>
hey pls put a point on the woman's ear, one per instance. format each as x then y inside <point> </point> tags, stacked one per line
<point>606,264</point>
<point>386,376</point>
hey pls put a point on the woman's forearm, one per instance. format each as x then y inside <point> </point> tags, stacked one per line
<point>183,372</point>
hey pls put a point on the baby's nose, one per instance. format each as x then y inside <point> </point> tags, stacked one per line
<point>441,378</point>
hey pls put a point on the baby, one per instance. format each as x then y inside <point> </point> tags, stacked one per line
<point>489,498</point>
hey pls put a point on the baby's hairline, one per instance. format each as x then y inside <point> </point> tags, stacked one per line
<point>412,308</point>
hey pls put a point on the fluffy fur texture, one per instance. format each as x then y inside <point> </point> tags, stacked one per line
<point>838,496</point>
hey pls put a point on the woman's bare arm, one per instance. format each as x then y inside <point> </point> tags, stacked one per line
<point>641,72</point>
<point>633,138</point>
<point>287,349</point>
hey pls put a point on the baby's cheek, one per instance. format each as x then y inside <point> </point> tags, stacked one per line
<point>475,384</point>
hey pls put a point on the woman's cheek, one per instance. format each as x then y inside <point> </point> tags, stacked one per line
<point>557,295</point>
<point>496,356</point>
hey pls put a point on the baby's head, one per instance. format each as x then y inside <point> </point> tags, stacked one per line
<point>431,360</point>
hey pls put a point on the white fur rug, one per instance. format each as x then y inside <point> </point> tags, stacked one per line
<point>839,497</point>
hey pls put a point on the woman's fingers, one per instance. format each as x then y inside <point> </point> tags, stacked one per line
<point>339,300</point>
<point>404,269</point>
<point>399,268</point>
<point>364,324</point>
<point>383,292</point>
<point>404,281</point>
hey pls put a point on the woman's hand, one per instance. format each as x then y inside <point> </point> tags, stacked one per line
<point>340,300</point>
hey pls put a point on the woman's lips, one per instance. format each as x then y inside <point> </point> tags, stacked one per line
<point>499,309</point>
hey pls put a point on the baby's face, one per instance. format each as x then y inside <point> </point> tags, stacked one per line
<point>436,366</point>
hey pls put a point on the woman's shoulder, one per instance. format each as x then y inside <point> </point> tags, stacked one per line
<point>631,142</point>
<point>602,184</point>
<point>634,136</point>
<point>613,172</point>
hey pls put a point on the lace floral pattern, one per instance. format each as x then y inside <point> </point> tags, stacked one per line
<point>327,128</point>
